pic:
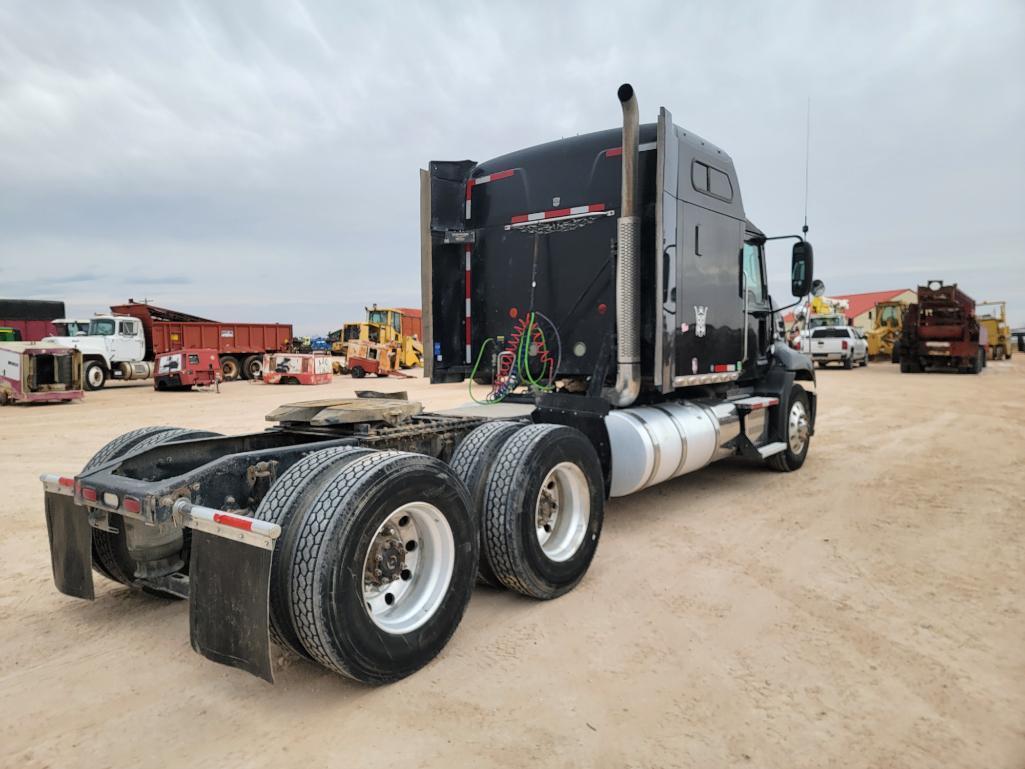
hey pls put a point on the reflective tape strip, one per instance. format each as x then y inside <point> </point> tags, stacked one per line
<point>58,484</point>
<point>558,213</point>
<point>228,525</point>
<point>471,183</point>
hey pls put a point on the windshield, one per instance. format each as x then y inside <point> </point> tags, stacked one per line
<point>71,328</point>
<point>377,316</point>
<point>101,327</point>
<point>889,315</point>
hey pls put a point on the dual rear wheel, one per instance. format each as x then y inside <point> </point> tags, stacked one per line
<point>539,495</point>
<point>376,561</point>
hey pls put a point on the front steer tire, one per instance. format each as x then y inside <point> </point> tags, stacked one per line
<point>94,375</point>
<point>336,540</point>
<point>562,460</point>
<point>472,462</point>
<point>789,460</point>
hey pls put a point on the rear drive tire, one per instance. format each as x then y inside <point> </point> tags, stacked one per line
<point>472,461</point>
<point>230,368</point>
<point>287,501</point>
<point>797,436</point>
<point>385,561</point>
<point>358,372</point>
<point>110,551</point>
<point>848,362</point>
<point>978,363</point>
<point>252,367</point>
<point>543,512</point>
<point>94,375</point>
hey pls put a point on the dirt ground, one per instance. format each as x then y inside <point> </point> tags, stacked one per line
<point>866,611</point>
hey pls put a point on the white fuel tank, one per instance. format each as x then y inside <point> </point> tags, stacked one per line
<point>651,444</point>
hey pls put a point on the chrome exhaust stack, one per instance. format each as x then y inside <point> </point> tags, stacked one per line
<point>628,230</point>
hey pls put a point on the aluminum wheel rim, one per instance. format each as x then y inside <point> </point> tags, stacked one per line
<point>562,511</point>
<point>95,376</point>
<point>402,592</point>
<point>797,433</point>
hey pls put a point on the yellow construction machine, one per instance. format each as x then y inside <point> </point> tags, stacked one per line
<point>397,327</point>
<point>889,320</point>
<point>340,339</point>
<point>995,323</point>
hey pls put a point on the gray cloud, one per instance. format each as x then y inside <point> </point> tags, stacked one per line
<point>239,159</point>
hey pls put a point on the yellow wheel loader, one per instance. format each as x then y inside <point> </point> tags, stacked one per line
<point>398,328</point>
<point>889,320</point>
<point>994,320</point>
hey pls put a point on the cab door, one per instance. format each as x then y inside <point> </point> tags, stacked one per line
<point>128,342</point>
<point>709,338</point>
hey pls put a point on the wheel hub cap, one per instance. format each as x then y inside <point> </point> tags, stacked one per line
<point>798,427</point>
<point>562,511</point>
<point>408,567</point>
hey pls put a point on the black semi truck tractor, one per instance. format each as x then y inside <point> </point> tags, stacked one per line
<point>605,299</point>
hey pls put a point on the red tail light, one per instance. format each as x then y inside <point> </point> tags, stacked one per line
<point>65,481</point>
<point>88,494</point>
<point>844,344</point>
<point>132,505</point>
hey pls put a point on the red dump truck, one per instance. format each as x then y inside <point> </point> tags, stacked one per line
<point>123,345</point>
<point>941,331</point>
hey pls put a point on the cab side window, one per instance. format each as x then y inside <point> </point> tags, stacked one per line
<point>126,327</point>
<point>753,269</point>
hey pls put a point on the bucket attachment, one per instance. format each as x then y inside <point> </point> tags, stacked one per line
<point>70,545</point>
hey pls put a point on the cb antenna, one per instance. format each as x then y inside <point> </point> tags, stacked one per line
<point>807,156</point>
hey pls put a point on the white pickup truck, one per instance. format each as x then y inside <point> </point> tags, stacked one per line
<point>837,344</point>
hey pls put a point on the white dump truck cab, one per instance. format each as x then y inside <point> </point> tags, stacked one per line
<point>112,347</point>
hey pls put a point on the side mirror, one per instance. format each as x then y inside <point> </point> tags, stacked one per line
<point>801,268</point>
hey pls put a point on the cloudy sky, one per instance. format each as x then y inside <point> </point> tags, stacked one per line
<point>258,160</point>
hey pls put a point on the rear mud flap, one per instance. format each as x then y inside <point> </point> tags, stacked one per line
<point>229,603</point>
<point>71,545</point>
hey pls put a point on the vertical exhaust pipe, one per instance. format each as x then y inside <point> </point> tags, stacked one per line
<point>628,231</point>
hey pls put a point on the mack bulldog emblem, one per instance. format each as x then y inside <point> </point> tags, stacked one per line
<point>700,313</point>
